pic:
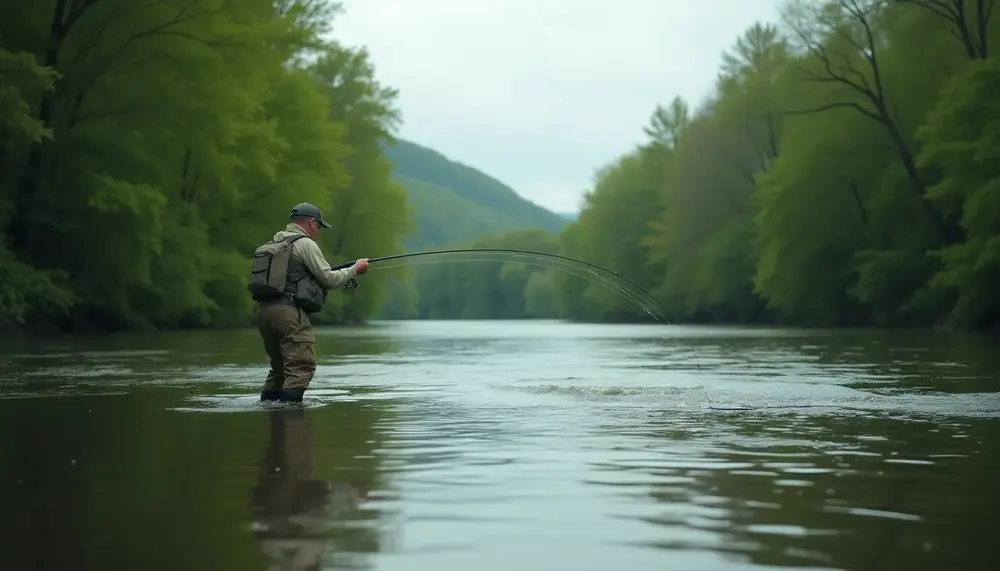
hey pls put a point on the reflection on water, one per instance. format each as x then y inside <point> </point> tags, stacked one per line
<point>505,445</point>
<point>293,510</point>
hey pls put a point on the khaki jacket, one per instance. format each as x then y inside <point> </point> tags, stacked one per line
<point>307,251</point>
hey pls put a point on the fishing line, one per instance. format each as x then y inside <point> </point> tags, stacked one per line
<point>556,259</point>
<point>711,406</point>
<point>569,269</point>
<point>590,272</point>
<point>587,271</point>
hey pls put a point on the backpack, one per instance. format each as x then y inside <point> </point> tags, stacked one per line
<point>270,267</point>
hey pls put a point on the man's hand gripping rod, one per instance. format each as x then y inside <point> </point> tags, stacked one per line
<point>352,283</point>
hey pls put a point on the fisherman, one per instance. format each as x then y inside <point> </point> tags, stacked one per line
<point>290,279</point>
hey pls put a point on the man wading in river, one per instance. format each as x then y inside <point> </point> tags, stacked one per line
<point>290,280</point>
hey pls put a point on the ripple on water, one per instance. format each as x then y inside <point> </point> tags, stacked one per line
<point>243,402</point>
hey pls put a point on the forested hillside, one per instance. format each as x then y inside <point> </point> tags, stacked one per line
<point>444,216</point>
<point>148,148</point>
<point>846,171</point>
<point>506,209</point>
<point>454,203</point>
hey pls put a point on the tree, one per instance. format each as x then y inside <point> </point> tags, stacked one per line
<point>838,178</point>
<point>150,143</point>
<point>960,135</point>
<point>971,26</point>
<point>845,43</point>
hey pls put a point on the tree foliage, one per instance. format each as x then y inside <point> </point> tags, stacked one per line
<point>843,172</point>
<point>148,147</point>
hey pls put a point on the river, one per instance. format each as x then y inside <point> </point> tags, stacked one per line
<point>500,446</point>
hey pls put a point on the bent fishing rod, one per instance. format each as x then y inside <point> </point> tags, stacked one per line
<point>513,251</point>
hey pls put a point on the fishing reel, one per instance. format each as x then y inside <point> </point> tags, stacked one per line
<point>351,283</point>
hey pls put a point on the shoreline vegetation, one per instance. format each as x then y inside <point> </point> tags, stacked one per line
<point>845,172</point>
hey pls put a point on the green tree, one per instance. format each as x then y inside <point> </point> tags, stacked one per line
<point>372,211</point>
<point>961,140</point>
<point>705,233</point>
<point>841,175</point>
<point>148,146</point>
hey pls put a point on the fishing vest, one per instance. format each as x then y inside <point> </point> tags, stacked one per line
<point>275,275</point>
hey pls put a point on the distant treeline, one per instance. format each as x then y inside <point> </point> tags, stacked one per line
<point>146,148</point>
<point>846,171</point>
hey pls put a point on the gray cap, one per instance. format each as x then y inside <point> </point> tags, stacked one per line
<point>310,210</point>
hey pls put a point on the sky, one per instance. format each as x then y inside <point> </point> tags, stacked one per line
<point>541,93</point>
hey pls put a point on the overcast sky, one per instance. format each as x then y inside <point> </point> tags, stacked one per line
<point>541,93</point>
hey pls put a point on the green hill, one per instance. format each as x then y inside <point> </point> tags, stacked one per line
<point>454,205</point>
<point>443,216</point>
<point>457,203</point>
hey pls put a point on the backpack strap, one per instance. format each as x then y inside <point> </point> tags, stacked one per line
<point>291,240</point>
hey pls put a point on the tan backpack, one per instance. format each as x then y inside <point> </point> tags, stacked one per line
<point>270,267</point>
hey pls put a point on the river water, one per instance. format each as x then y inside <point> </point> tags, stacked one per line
<point>501,446</point>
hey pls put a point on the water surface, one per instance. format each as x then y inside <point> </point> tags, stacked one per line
<point>505,445</point>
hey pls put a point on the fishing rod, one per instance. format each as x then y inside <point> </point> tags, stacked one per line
<point>515,253</point>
